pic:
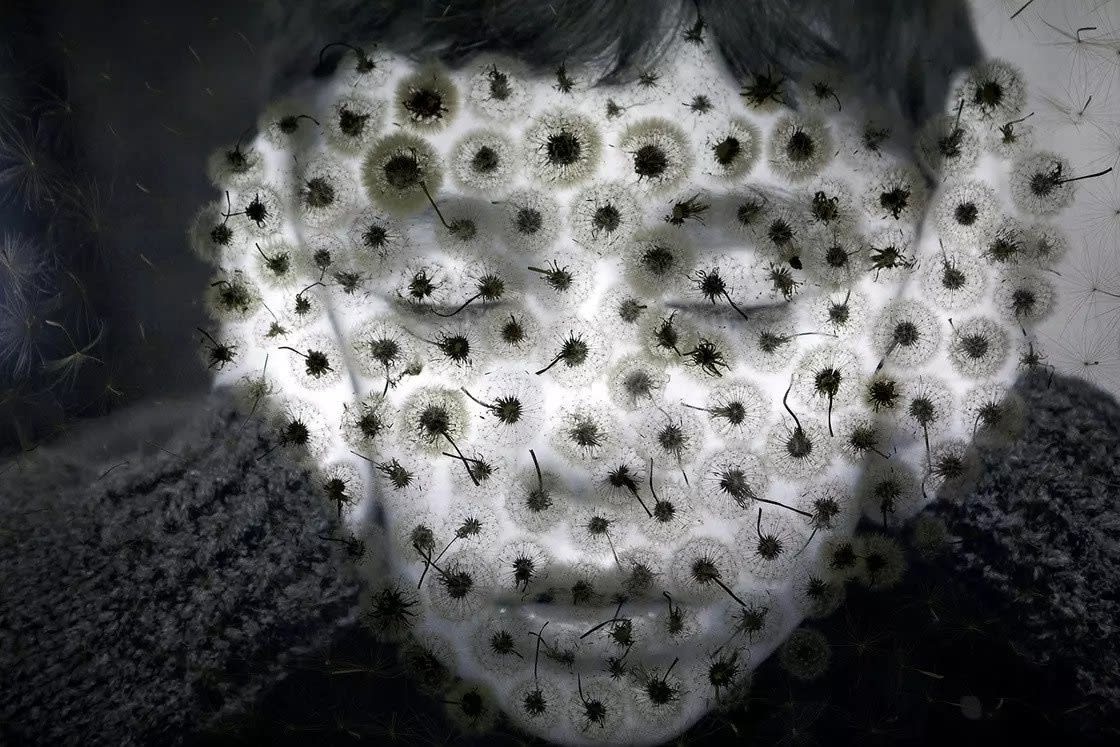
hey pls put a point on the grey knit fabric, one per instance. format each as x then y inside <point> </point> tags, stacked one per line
<point>141,604</point>
<point>1040,537</point>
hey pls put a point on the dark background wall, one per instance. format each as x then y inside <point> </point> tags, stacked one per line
<point>109,111</point>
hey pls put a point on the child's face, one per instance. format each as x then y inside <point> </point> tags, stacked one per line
<point>602,360</point>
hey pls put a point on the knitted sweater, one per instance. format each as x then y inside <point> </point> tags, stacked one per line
<point>150,589</point>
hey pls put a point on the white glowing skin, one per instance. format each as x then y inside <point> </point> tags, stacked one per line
<point>521,204</point>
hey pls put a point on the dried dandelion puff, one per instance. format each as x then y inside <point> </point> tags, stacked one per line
<point>818,594</point>
<point>635,381</point>
<point>603,216</point>
<point>326,192</point>
<point>773,545</point>
<point>890,493</point>
<point>530,221</point>
<point>586,433</point>
<point>907,333</point>
<point>764,91</point>
<point>353,122</point>
<point>257,211</point>
<point>213,237</point>
<point>1011,138</point>
<point>433,418</point>
<point>624,312</point>
<point>869,141</point>
<point>465,228</point>
<point>758,619</point>
<point>232,297</point>
<point>426,100</point>
<point>799,450</point>
<point>485,161</point>
<point>890,254</point>
<point>882,392</point>
<point>832,260</point>
<point>578,355</point>
<point>820,90</point>
<point>898,194</point>
<point>827,378</point>
<point>731,481</point>
<point>367,424</point>
<point>881,561</point>
<point>515,333</point>
<point>1040,182</point>
<point>1023,296</point>
<point>563,148</point>
<point>315,362</point>
<point>928,407</point>
<point>1046,244</point>
<point>536,500</point>
<point>737,410</point>
<point>399,171</point>
<point>657,259</point>
<point>953,281</point>
<point>948,146</point>
<point>831,205</point>
<point>806,654</point>
<point>234,166</point>
<point>288,125</point>
<point>471,707</point>
<point>951,470</point>
<point>731,149</point>
<point>841,313</point>
<point>861,434</point>
<point>377,239</point>
<point>993,414</point>
<point>597,710</point>
<point>657,152</point>
<point>992,91</point>
<point>497,88</point>
<point>966,212</point>
<point>979,347</point>
<point>800,147</point>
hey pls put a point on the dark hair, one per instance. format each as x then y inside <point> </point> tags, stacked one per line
<point>904,52</point>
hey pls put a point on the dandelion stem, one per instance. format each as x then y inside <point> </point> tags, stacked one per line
<point>1016,13</point>
<point>428,194</point>
<point>1087,176</point>
<point>466,462</point>
<point>537,466</point>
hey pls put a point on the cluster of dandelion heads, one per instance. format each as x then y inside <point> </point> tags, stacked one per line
<point>612,370</point>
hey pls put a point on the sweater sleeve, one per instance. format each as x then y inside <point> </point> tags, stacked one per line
<point>1039,536</point>
<point>158,573</point>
